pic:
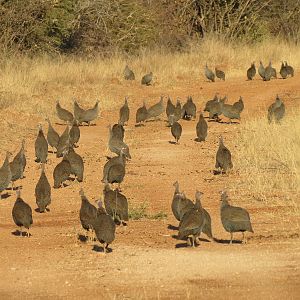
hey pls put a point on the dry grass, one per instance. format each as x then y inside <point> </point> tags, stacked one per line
<point>268,160</point>
<point>31,86</point>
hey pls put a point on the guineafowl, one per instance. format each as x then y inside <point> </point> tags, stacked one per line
<point>223,157</point>
<point>276,110</point>
<point>18,164</point>
<point>5,174</point>
<point>290,69</point>
<point>124,113</point>
<point>116,205</point>
<point>87,213</point>
<point>78,112</point>
<point>170,108</point>
<point>229,111</point>
<point>269,72</point>
<point>177,197</point>
<point>156,110</point>
<point>184,205</point>
<point>220,74</point>
<point>52,136</point>
<point>141,114</point>
<point>62,171</point>
<point>77,165</point>
<point>207,219</point>
<point>128,73</point>
<point>43,191</point>
<point>63,114</point>
<point>209,74</point>
<point>201,129</point>
<point>261,70</point>
<point>90,114</point>
<point>118,131</point>
<point>104,227</point>
<point>22,213</point>
<point>189,109</point>
<point>215,109</point>
<point>283,71</point>
<point>234,219</point>
<point>63,143</point>
<point>251,72</point>
<point>115,144</point>
<point>192,223</point>
<point>211,102</point>
<point>116,174</point>
<point>239,105</point>
<point>121,159</point>
<point>41,146</point>
<point>146,80</point>
<point>176,129</point>
<point>74,134</point>
<point>177,111</point>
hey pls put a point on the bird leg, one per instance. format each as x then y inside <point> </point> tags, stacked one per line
<point>28,233</point>
<point>189,241</point>
<point>244,238</point>
<point>21,231</point>
<point>12,185</point>
<point>231,236</point>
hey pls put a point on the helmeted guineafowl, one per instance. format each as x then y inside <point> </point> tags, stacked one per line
<point>189,109</point>
<point>74,134</point>
<point>251,72</point>
<point>22,213</point>
<point>220,74</point>
<point>223,157</point>
<point>234,219</point>
<point>124,113</point>
<point>116,205</point>
<point>41,146</point>
<point>118,131</point>
<point>239,105</point>
<point>43,191</point>
<point>63,114</point>
<point>201,129</point>
<point>87,213</point>
<point>209,74</point>
<point>62,171</point>
<point>63,143</point>
<point>261,70</point>
<point>52,136</point>
<point>156,110</point>
<point>77,165</point>
<point>176,129</point>
<point>18,164</point>
<point>141,114</point>
<point>115,144</point>
<point>283,71</point>
<point>192,223</point>
<point>121,159</point>
<point>146,79</point>
<point>104,227</point>
<point>5,174</point>
<point>128,73</point>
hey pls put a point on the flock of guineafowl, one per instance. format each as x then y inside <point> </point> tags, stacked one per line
<point>102,220</point>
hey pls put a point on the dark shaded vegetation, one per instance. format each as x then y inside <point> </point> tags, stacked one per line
<point>105,26</point>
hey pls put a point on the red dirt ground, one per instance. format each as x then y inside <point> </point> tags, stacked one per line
<point>146,262</point>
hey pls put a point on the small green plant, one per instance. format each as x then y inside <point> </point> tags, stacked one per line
<point>138,212</point>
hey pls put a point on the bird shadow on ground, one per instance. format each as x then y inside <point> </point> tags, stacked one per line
<point>182,245</point>
<point>223,122</point>
<point>38,210</point>
<point>19,233</point>
<point>197,140</point>
<point>172,142</point>
<point>5,196</point>
<point>19,187</point>
<point>172,227</point>
<point>97,248</point>
<point>139,125</point>
<point>82,238</point>
<point>221,241</point>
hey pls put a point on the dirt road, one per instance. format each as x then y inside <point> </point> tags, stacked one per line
<point>146,261</point>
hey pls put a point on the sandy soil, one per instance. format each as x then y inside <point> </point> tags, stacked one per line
<point>146,261</point>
